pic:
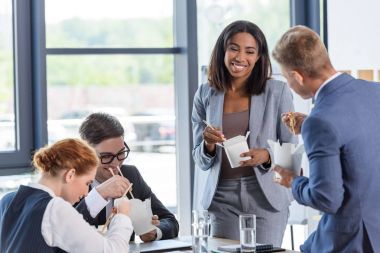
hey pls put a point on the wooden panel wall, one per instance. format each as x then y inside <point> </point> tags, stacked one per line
<point>366,74</point>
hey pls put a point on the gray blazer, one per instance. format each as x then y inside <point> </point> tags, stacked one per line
<point>264,123</point>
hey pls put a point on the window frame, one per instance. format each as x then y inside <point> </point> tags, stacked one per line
<point>18,161</point>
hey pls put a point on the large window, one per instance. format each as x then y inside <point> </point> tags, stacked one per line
<point>136,84</point>
<point>7,112</point>
<point>135,60</point>
<point>272,16</point>
<point>112,23</point>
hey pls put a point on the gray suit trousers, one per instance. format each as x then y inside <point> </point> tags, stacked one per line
<point>244,195</point>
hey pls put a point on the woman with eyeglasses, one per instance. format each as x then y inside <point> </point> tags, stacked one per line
<point>39,217</point>
<point>106,134</point>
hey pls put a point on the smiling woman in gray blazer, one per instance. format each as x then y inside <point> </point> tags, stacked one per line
<point>239,97</point>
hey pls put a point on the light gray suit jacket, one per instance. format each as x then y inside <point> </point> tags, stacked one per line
<point>264,123</point>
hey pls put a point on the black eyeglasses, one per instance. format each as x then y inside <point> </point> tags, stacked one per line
<point>107,158</point>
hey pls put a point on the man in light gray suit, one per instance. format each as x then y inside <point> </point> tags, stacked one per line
<point>342,141</point>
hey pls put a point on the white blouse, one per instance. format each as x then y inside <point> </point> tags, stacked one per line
<point>63,227</point>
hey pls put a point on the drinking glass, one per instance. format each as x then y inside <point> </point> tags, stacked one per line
<point>200,230</point>
<point>247,225</point>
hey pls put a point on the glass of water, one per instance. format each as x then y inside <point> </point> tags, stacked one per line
<point>200,230</point>
<point>247,225</point>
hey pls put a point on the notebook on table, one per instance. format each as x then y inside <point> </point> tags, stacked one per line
<point>260,248</point>
<point>159,246</point>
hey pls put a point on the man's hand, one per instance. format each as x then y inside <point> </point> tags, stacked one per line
<point>293,120</point>
<point>152,235</point>
<point>258,156</point>
<point>155,220</point>
<point>114,187</point>
<point>286,176</point>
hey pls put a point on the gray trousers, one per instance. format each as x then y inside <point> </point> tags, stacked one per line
<point>244,195</point>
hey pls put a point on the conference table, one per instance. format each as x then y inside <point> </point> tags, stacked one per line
<point>213,245</point>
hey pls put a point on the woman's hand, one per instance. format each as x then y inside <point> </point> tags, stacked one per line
<point>293,120</point>
<point>211,136</point>
<point>258,156</point>
<point>123,205</point>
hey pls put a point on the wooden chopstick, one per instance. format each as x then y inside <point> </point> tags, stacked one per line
<point>110,170</point>
<point>118,168</point>
<point>113,214</point>
<point>126,191</point>
<point>108,221</point>
<point>131,193</point>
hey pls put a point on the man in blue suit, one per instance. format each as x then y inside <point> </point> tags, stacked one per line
<point>342,141</point>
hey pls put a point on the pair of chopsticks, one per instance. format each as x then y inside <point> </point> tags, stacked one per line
<point>108,221</point>
<point>210,126</point>
<point>130,192</point>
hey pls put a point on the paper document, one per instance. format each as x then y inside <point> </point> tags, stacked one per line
<point>161,245</point>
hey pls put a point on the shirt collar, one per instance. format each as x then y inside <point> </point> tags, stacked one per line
<point>43,188</point>
<point>325,83</point>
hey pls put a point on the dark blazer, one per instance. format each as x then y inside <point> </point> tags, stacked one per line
<point>342,141</point>
<point>168,223</point>
<point>21,215</point>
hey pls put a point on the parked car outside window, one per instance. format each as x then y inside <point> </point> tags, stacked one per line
<point>155,130</point>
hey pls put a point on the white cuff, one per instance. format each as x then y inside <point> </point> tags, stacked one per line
<point>95,202</point>
<point>159,234</point>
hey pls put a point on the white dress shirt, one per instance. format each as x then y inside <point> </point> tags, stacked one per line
<point>326,82</point>
<point>95,202</point>
<point>63,227</point>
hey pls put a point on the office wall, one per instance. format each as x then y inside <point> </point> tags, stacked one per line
<point>353,34</point>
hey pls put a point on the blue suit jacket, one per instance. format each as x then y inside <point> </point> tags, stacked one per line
<point>342,141</point>
<point>264,123</point>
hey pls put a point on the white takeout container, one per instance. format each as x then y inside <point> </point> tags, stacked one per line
<point>234,147</point>
<point>141,216</point>
<point>287,155</point>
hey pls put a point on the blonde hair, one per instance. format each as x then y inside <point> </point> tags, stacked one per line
<point>301,49</point>
<point>66,154</point>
